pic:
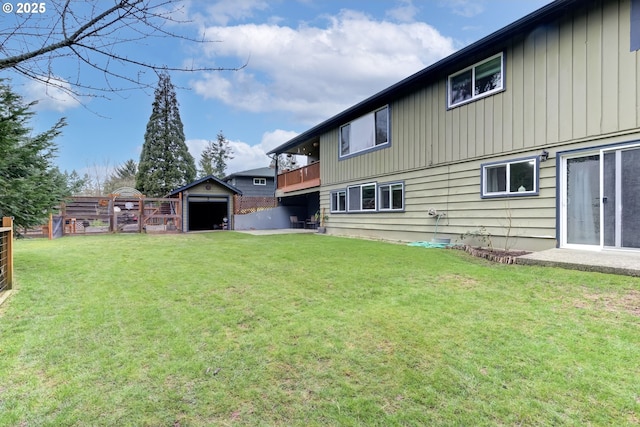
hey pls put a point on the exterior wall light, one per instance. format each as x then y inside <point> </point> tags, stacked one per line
<point>544,156</point>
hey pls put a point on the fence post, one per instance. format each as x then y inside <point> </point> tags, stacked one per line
<point>63,212</point>
<point>113,216</point>
<point>140,213</point>
<point>8,222</point>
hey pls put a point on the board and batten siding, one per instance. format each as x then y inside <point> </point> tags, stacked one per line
<point>454,189</point>
<point>248,188</point>
<point>567,82</point>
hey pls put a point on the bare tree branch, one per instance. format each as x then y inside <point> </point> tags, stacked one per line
<point>96,35</point>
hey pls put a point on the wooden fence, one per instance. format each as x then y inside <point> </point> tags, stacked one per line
<point>243,205</point>
<point>114,214</point>
<point>6,254</point>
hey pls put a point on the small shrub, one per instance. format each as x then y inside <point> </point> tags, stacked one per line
<point>480,235</point>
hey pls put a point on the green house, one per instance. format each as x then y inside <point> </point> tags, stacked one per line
<point>531,134</point>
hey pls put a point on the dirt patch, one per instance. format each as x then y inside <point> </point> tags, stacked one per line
<point>628,302</point>
<point>460,280</point>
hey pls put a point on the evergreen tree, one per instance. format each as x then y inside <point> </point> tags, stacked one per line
<point>165,162</point>
<point>123,176</point>
<point>75,183</point>
<point>213,160</point>
<point>30,185</point>
<point>126,170</point>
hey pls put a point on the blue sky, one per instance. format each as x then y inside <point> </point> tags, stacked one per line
<point>306,60</point>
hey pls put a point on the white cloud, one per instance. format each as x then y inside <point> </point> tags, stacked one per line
<point>315,72</point>
<point>222,12</point>
<point>406,12</point>
<point>56,96</point>
<point>466,8</point>
<point>246,156</point>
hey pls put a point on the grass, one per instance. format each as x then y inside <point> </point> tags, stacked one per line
<point>233,329</point>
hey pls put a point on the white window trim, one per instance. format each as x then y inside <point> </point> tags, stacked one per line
<point>536,178</point>
<point>475,97</point>
<point>259,181</point>
<point>360,209</point>
<point>337,207</point>
<point>379,200</point>
<point>374,146</point>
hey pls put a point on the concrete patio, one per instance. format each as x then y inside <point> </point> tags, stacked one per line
<point>607,261</point>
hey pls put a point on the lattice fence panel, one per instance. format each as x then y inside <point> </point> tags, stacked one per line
<point>243,205</point>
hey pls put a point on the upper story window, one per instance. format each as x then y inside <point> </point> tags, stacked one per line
<point>510,178</point>
<point>259,181</point>
<point>365,133</point>
<point>477,81</point>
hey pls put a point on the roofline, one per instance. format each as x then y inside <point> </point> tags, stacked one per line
<point>201,180</point>
<point>397,90</point>
<point>248,173</point>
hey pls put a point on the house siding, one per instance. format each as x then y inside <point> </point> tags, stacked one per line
<point>214,191</point>
<point>570,83</point>
<point>454,188</point>
<point>245,184</point>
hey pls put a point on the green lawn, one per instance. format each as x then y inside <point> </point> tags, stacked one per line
<point>232,329</point>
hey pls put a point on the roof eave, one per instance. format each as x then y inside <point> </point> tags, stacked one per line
<point>397,90</point>
<point>201,180</point>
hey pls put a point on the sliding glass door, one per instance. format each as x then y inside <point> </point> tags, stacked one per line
<point>621,198</point>
<point>600,199</point>
<point>582,200</point>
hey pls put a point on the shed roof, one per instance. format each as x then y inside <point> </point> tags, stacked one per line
<point>201,180</point>
<point>265,172</point>
<point>464,57</point>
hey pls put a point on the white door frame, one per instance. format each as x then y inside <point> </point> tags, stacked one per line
<point>600,151</point>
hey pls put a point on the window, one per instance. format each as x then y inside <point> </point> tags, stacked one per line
<point>259,181</point>
<point>391,197</point>
<point>365,133</point>
<point>635,25</point>
<point>512,178</point>
<point>361,198</point>
<point>370,197</point>
<point>339,201</point>
<point>477,81</point>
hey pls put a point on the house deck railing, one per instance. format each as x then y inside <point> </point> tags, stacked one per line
<point>299,179</point>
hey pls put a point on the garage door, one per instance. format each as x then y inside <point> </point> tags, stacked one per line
<point>207,213</point>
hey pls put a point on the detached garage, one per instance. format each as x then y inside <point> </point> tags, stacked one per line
<point>207,204</point>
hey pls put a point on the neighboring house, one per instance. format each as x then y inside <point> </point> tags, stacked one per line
<point>532,134</point>
<point>207,204</point>
<point>254,182</point>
